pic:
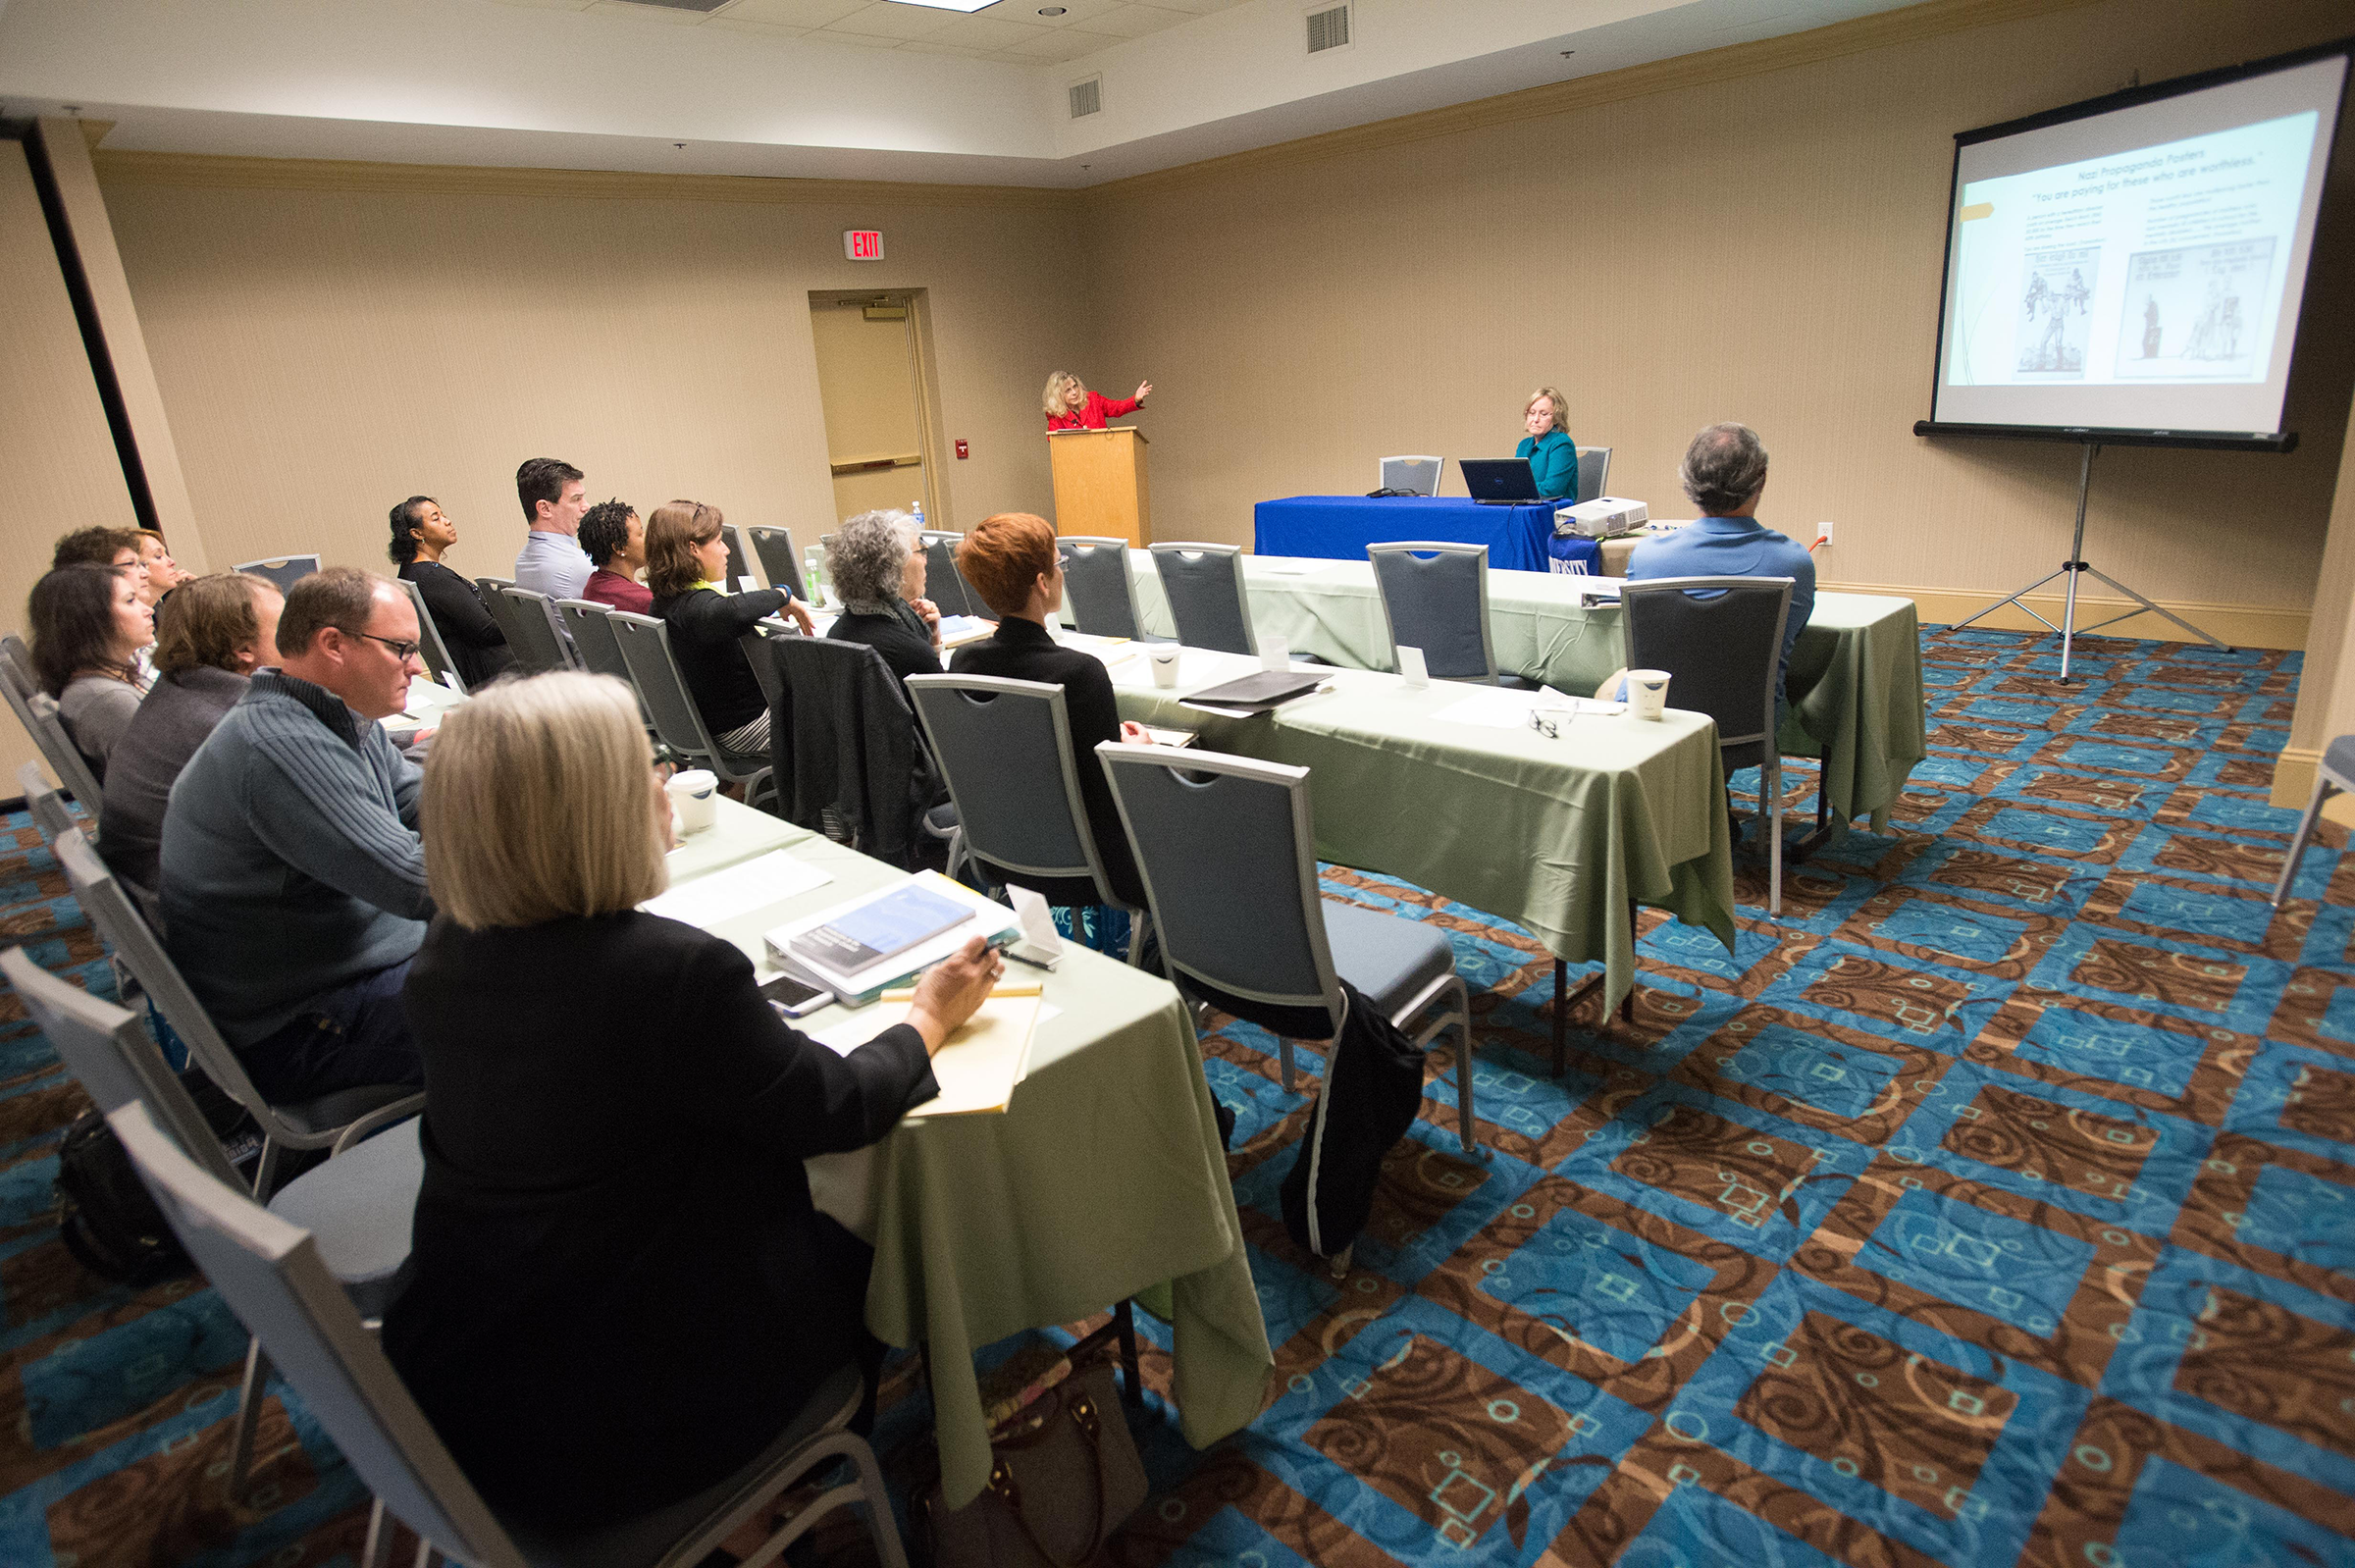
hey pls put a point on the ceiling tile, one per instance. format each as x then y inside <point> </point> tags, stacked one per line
<point>896,22</point>
<point>792,13</point>
<point>1135,21</point>
<point>623,8</point>
<point>1200,8</point>
<point>985,32</point>
<point>1057,44</point>
<point>863,40</point>
<point>927,46</point>
<point>550,5</point>
<point>762,30</point>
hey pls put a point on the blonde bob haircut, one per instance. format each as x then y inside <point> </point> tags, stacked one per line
<point>1052,399</point>
<point>539,804</point>
<point>1561,414</point>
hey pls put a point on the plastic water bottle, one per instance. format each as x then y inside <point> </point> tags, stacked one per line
<point>918,510</point>
<point>814,575</point>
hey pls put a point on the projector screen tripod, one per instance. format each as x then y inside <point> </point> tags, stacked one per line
<point>2068,631</point>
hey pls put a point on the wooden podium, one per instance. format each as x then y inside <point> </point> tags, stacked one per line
<point>1100,484</point>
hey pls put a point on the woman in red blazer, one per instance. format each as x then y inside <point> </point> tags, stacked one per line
<point>1071,407</point>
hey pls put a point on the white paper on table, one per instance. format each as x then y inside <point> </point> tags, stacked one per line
<point>1494,708</point>
<point>1275,656</point>
<point>958,630</point>
<point>1038,921</point>
<point>1411,667</point>
<point>981,1063</point>
<point>748,585</point>
<point>708,900</point>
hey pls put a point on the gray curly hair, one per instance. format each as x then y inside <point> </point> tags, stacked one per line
<point>868,553</point>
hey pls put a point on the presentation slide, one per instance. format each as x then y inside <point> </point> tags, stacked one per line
<point>2149,276</point>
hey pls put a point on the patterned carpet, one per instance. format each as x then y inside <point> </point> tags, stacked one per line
<point>1995,1206</point>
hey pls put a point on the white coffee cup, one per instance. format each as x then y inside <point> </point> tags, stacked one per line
<point>1647,692</point>
<point>695,797</point>
<point>1164,664</point>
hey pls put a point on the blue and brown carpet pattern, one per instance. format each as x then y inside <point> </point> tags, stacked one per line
<point>1996,1205</point>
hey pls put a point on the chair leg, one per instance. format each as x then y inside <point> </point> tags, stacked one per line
<point>248,1420</point>
<point>378,1551</point>
<point>1283,1051</point>
<point>1464,1076</point>
<point>1140,926</point>
<point>1562,1016</point>
<point>1132,1388</point>
<point>2324,789</point>
<point>877,1501</point>
<point>1772,779</point>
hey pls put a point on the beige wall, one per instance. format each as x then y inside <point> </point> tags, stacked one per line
<point>57,460</point>
<point>331,339</point>
<point>1749,234</point>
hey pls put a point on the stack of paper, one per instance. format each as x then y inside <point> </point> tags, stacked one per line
<point>994,921</point>
<point>958,630</point>
<point>708,900</point>
<point>979,1066</point>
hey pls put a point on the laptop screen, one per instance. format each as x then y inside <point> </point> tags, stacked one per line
<point>1499,478</point>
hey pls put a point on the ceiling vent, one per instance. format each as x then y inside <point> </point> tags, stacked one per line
<point>680,5</point>
<point>1327,30</point>
<point>1087,97</point>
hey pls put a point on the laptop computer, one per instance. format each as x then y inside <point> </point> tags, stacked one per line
<point>1499,480</point>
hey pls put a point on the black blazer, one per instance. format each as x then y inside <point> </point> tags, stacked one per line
<point>476,644</point>
<point>901,637</point>
<point>1022,651</point>
<point>617,1291</point>
<point>704,625</point>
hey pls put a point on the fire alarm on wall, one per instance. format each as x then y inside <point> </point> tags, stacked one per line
<point>960,451</point>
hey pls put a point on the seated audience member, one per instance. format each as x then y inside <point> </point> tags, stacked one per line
<point>294,877</point>
<point>163,572</point>
<point>554,497</point>
<point>421,536</point>
<point>103,546</point>
<point>614,541</point>
<point>1552,455</point>
<point>686,561</point>
<point>877,563</point>
<point>618,1291</point>
<point>88,625</point>
<point>210,635</point>
<point>1724,474</point>
<point>1010,560</point>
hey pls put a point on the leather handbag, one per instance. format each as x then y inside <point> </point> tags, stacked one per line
<point>1064,1474</point>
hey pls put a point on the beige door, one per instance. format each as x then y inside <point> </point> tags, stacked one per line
<point>870,382</point>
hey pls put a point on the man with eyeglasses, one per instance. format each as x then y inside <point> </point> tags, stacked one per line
<point>294,878</point>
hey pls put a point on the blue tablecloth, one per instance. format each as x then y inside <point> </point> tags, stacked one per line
<point>1342,526</point>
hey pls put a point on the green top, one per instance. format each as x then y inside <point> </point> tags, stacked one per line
<point>1553,463</point>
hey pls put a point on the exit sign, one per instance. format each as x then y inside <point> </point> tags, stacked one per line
<point>863,245</point>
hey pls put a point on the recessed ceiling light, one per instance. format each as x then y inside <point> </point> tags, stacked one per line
<point>948,5</point>
<point>1052,10</point>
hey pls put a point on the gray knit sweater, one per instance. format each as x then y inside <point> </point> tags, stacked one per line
<point>292,864</point>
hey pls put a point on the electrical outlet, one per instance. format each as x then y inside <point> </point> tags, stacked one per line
<point>1823,533</point>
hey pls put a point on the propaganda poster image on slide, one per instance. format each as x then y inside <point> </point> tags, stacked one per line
<point>2191,311</point>
<point>2055,322</point>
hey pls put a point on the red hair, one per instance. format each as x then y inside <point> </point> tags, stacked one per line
<point>1004,556</point>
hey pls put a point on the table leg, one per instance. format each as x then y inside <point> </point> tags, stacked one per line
<point>1564,999</point>
<point>1123,1328</point>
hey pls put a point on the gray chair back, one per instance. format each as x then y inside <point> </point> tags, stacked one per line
<point>1095,576</point>
<point>1217,834</point>
<point>774,547</point>
<point>1593,473</point>
<point>1418,474</point>
<point>1005,749</point>
<point>755,644</point>
<point>678,722</point>
<point>437,663</point>
<point>1720,639</point>
<point>331,1123</point>
<point>271,1275</point>
<point>41,721</point>
<point>944,584</point>
<point>49,810</point>
<point>107,1050</point>
<point>1435,597</point>
<point>596,647</point>
<point>1204,587</point>
<point>284,573</point>
<point>530,622</point>
<point>738,570</point>
<point>16,665</point>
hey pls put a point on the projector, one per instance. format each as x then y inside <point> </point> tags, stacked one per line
<point>1606,517</point>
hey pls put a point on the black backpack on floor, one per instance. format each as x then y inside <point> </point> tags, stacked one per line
<point>105,1215</point>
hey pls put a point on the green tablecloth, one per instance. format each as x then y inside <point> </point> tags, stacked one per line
<point>1855,679</point>
<point>1104,1179</point>
<point>736,835</point>
<point>1556,834</point>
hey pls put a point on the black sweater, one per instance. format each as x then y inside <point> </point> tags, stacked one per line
<point>618,1291</point>
<point>704,625</point>
<point>476,644</point>
<point>1022,651</point>
<point>901,637</point>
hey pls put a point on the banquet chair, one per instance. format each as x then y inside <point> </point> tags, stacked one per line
<point>774,548</point>
<point>42,801</point>
<point>1720,639</point>
<point>1594,474</point>
<point>738,569</point>
<point>1435,597</point>
<point>593,644</point>
<point>358,1206</point>
<point>840,717</point>
<point>272,1275</point>
<point>1095,578</point>
<point>1418,474</point>
<point>284,573</point>
<point>1204,587</point>
<point>944,585</point>
<point>437,663</point>
<point>16,665</point>
<point>2334,774</point>
<point>678,723</point>
<point>37,712</point>
<point>1004,747</point>
<point>1215,834</point>
<point>530,622</point>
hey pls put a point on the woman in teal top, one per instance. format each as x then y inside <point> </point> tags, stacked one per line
<point>1552,455</point>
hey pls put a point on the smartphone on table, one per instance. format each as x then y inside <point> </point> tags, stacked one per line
<point>793,998</point>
